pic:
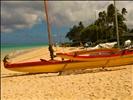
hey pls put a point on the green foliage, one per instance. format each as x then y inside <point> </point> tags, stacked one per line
<point>112,39</point>
<point>74,33</point>
<point>103,30</point>
<point>72,44</point>
<point>131,31</point>
<point>101,41</point>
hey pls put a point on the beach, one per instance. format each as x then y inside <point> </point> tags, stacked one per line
<point>114,83</point>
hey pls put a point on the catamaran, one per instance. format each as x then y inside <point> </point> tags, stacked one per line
<point>95,59</point>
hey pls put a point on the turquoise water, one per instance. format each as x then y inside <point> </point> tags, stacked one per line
<point>13,48</point>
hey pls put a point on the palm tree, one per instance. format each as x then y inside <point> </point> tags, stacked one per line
<point>124,11</point>
<point>110,13</point>
<point>75,32</point>
<point>104,25</point>
<point>102,18</point>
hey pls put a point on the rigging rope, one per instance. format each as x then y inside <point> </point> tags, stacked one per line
<point>56,26</point>
<point>29,14</point>
<point>33,57</point>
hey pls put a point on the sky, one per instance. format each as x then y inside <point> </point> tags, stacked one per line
<point>25,21</point>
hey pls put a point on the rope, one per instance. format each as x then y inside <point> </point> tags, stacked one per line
<point>51,14</point>
<point>23,30</point>
<point>33,57</point>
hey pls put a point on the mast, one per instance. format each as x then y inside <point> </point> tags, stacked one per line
<point>116,23</point>
<point>48,27</point>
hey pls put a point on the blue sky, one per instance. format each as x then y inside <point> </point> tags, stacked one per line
<point>24,21</point>
<point>36,34</point>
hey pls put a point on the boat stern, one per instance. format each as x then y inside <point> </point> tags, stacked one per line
<point>6,61</point>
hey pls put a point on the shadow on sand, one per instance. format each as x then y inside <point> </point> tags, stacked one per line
<point>66,73</point>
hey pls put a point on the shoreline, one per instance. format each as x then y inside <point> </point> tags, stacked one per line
<point>90,84</point>
<point>11,48</point>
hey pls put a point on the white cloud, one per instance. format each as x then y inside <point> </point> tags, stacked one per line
<point>25,14</point>
<point>6,30</point>
<point>72,12</point>
<point>20,15</point>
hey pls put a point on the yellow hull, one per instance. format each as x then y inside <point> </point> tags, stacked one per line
<point>74,65</point>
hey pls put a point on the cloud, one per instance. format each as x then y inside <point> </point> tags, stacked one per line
<point>72,12</point>
<point>19,15</point>
<point>6,30</point>
<point>129,7</point>
<point>25,14</point>
<point>129,18</point>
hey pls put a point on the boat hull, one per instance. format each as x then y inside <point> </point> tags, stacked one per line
<point>98,56</point>
<point>59,66</point>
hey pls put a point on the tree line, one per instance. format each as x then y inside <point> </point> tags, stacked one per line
<point>103,29</point>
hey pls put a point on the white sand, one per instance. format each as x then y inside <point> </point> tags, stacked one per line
<point>92,84</point>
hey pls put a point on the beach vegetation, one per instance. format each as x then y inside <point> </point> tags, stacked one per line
<point>103,29</point>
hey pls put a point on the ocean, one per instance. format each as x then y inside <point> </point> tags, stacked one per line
<point>19,48</point>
